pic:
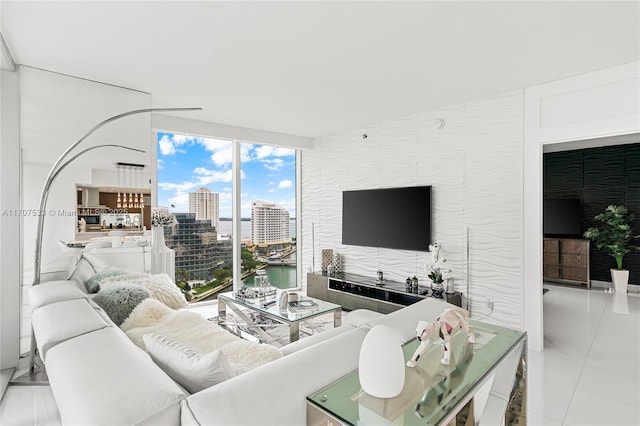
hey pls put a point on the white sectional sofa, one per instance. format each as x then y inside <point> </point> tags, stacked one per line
<point>99,377</point>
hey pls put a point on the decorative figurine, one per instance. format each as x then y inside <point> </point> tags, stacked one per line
<point>447,325</point>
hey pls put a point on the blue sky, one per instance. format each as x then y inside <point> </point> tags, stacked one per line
<point>187,163</point>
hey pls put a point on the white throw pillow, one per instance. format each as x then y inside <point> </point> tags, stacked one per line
<point>193,371</point>
<point>96,260</point>
<point>81,273</point>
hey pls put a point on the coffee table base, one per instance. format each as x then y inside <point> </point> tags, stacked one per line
<point>294,325</point>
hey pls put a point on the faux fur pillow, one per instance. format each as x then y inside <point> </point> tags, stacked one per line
<point>120,300</point>
<point>93,283</point>
<point>159,285</point>
<point>164,290</point>
<point>147,313</point>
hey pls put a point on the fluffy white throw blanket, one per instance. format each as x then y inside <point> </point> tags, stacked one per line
<point>192,330</point>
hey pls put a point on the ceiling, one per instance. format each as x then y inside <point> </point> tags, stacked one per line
<point>317,68</point>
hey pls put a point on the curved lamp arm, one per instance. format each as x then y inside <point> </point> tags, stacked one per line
<point>58,166</point>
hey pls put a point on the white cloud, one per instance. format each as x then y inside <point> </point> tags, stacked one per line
<point>166,146</point>
<point>160,163</point>
<point>169,144</point>
<point>222,158</point>
<point>214,145</point>
<point>273,164</point>
<point>284,152</point>
<point>264,151</point>
<point>206,176</point>
<point>181,201</point>
<point>285,184</point>
<point>170,186</point>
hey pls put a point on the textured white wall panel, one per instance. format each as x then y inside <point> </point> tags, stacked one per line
<point>398,152</point>
<point>310,210</point>
<point>493,204</point>
<point>474,164</point>
<point>441,164</point>
<point>362,155</point>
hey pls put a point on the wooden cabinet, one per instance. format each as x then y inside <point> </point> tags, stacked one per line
<point>566,260</point>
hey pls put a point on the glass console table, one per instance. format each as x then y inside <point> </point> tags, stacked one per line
<point>436,394</point>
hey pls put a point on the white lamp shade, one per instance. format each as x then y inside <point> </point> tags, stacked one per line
<point>381,365</point>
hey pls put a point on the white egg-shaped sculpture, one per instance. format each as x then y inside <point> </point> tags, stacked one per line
<point>381,363</point>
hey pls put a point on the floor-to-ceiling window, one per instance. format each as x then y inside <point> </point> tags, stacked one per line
<point>268,205</point>
<point>195,183</point>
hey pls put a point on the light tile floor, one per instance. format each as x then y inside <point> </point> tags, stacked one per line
<point>589,371</point>
<point>588,374</point>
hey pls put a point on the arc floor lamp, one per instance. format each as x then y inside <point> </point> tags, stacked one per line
<point>33,375</point>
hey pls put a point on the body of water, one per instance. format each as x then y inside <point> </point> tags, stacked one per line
<point>245,228</point>
<point>279,276</point>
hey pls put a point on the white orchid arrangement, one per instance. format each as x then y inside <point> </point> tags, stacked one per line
<point>162,217</point>
<point>436,266</point>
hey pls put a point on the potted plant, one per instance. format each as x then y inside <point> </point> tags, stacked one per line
<point>614,237</point>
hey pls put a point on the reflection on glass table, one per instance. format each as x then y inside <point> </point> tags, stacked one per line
<point>269,308</point>
<point>434,393</point>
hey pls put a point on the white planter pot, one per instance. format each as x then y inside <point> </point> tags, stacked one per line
<point>620,279</point>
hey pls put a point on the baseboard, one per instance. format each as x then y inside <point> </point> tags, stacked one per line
<point>5,377</point>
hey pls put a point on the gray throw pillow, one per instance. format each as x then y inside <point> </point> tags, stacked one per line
<point>119,301</point>
<point>93,283</point>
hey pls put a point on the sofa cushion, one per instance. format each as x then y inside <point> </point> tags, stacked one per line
<point>192,370</point>
<point>275,394</point>
<point>404,321</point>
<point>59,322</point>
<point>53,292</point>
<point>119,301</point>
<point>101,378</point>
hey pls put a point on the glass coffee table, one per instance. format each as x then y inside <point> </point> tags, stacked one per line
<point>436,394</point>
<point>309,308</point>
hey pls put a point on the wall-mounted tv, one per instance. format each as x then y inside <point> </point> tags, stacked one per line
<point>397,218</point>
<point>562,217</point>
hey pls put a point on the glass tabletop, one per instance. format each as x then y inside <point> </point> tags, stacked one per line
<point>431,390</point>
<point>306,307</point>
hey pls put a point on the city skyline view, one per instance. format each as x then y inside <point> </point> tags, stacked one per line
<point>188,163</point>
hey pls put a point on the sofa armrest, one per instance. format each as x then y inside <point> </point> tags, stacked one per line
<point>404,321</point>
<point>314,339</point>
<point>275,394</point>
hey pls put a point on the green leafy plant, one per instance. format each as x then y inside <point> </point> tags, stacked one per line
<point>614,235</point>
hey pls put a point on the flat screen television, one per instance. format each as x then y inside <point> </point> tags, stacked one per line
<point>562,217</point>
<point>397,218</point>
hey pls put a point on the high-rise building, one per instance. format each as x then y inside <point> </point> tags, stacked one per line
<point>269,223</point>
<point>197,248</point>
<point>206,205</point>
